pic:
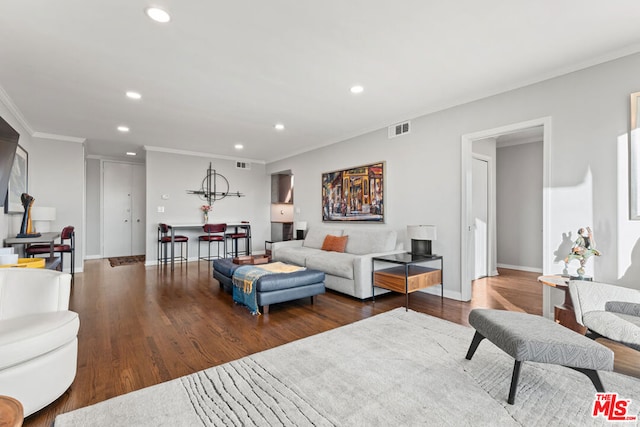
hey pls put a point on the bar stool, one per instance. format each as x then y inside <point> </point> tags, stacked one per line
<point>215,233</point>
<point>164,240</point>
<point>238,234</point>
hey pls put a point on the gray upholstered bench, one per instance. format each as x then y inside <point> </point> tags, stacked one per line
<point>531,338</point>
<point>274,288</point>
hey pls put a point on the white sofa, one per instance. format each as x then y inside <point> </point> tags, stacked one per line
<point>38,336</point>
<point>348,272</point>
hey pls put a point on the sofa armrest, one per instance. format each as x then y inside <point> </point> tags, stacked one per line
<point>284,244</point>
<point>623,307</point>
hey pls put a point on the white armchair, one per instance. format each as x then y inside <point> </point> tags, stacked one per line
<point>38,336</point>
<point>608,310</point>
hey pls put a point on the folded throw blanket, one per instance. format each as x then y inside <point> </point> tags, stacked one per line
<point>245,277</point>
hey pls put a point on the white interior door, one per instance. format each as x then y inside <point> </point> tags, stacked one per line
<point>116,203</point>
<point>480,215</point>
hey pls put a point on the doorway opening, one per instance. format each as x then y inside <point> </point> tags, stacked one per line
<point>282,206</point>
<point>479,208</point>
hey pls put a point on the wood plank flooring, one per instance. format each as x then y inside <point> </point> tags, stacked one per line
<point>143,326</point>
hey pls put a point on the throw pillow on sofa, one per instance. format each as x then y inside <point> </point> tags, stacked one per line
<point>315,236</point>
<point>334,243</point>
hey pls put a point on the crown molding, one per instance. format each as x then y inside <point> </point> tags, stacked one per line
<point>58,137</point>
<point>520,141</point>
<point>200,154</point>
<point>13,109</point>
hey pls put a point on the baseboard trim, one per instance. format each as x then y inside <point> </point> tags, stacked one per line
<point>521,268</point>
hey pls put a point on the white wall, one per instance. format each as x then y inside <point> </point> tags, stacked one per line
<point>519,206</point>
<point>173,174</point>
<point>589,113</point>
<point>56,178</point>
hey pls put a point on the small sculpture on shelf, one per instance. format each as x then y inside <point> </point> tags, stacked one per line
<point>26,228</point>
<point>583,248</point>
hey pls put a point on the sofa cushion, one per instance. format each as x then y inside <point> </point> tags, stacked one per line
<point>334,243</point>
<point>315,236</point>
<point>334,263</point>
<point>363,242</point>
<point>26,337</point>
<point>295,255</point>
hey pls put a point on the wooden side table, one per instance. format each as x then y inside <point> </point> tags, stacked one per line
<point>11,412</point>
<point>407,277</point>
<point>563,314</point>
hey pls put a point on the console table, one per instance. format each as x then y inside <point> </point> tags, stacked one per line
<point>408,277</point>
<point>45,238</point>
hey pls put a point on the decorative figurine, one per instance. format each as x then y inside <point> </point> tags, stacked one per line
<point>26,229</point>
<point>583,248</point>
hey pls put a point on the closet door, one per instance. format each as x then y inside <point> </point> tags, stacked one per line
<point>116,205</point>
<point>123,204</point>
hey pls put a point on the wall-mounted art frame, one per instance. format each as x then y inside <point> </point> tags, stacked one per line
<point>634,158</point>
<point>354,194</point>
<point>18,182</point>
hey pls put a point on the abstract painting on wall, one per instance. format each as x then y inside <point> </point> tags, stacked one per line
<point>354,194</point>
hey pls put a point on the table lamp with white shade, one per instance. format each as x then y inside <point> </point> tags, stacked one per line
<point>421,237</point>
<point>42,216</point>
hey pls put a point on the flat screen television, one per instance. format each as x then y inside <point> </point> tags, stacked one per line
<point>8,146</point>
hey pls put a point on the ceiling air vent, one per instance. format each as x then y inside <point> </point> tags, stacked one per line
<point>243,165</point>
<point>399,129</point>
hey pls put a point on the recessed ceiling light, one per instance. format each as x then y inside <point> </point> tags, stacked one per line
<point>279,126</point>
<point>123,128</point>
<point>238,146</point>
<point>133,95</point>
<point>131,153</point>
<point>356,89</point>
<point>157,14</point>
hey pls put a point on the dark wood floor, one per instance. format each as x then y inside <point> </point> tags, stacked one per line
<point>143,326</point>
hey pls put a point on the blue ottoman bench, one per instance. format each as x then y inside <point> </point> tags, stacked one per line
<point>531,338</point>
<point>274,288</point>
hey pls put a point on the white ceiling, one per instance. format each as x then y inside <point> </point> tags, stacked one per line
<point>222,73</point>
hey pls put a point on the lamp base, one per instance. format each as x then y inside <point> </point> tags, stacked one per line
<point>299,234</point>
<point>420,247</point>
<point>27,235</point>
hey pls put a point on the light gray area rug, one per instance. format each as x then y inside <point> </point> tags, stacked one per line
<point>397,368</point>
